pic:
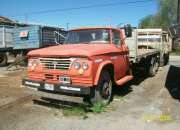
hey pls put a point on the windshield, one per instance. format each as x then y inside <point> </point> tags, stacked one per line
<point>88,36</point>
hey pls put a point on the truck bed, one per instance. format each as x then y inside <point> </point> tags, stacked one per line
<point>136,50</point>
<point>146,52</point>
<point>142,53</point>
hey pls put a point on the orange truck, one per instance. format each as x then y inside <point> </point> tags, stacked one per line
<point>90,62</point>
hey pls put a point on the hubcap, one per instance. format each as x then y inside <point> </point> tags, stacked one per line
<point>106,92</point>
<point>156,66</point>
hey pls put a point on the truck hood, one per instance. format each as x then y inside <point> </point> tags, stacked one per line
<point>82,50</point>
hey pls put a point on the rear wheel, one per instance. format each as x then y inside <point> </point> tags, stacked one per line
<point>166,59</point>
<point>102,93</point>
<point>153,67</point>
<point>3,59</point>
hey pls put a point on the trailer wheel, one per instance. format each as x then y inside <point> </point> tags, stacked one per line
<point>3,59</point>
<point>102,93</point>
<point>21,60</point>
<point>153,67</point>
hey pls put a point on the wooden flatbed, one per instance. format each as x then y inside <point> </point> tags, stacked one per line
<point>137,50</point>
<point>143,53</point>
<point>146,52</point>
<point>149,42</point>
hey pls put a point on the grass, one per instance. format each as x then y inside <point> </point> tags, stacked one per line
<point>98,108</point>
<point>176,51</point>
<point>82,110</point>
<point>75,111</point>
<point>119,98</point>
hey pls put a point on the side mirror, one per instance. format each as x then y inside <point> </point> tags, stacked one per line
<point>128,30</point>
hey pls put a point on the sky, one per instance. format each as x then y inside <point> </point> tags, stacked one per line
<point>104,16</point>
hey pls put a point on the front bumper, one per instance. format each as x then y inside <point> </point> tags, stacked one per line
<point>66,89</point>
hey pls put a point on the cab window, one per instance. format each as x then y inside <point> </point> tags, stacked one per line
<point>116,37</point>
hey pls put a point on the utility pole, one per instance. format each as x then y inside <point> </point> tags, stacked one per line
<point>67,26</point>
<point>178,12</point>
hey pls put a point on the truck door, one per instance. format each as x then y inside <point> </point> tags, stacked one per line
<point>120,58</point>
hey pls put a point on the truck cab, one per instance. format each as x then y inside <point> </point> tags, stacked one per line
<point>88,63</point>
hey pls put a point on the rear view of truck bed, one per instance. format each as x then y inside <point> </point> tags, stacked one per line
<point>147,42</point>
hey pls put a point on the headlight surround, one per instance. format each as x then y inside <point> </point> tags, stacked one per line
<point>76,65</point>
<point>30,63</point>
<point>33,63</point>
<point>85,66</point>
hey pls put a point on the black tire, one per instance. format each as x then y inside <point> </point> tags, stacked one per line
<point>3,60</point>
<point>166,59</point>
<point>102,93</point>
<point>153,67</point>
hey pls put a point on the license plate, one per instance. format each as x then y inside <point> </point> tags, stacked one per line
<point>49,87</point>
<point>64,80</point>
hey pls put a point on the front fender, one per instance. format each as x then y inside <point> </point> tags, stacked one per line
<point>100,67</point>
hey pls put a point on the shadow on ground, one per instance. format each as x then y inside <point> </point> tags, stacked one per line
<point>127,88</point>
<point>56,103</point>
<point>118,91</point>
<point>173,82</point>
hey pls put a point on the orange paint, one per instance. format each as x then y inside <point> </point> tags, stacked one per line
<point>96,55</point>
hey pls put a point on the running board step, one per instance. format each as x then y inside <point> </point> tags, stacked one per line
<point>124,80</point>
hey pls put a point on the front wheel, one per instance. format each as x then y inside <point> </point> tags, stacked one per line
<point>102,93</point>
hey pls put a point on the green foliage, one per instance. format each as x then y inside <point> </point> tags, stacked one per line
<point>120,98</point>
<point>165,16</point>
<point>75,111</point>
<point>176,51</point>
<point>98,107</point>
<point>82,110</point>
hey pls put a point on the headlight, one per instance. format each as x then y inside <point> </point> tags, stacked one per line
<point>29,63</point>
<point>33,63</point>
<point>85,66</point>
<point>77,65</point>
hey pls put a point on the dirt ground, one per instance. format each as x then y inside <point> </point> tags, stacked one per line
<point>143,104</point>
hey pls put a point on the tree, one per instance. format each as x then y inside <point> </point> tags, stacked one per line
<point>165,16</point>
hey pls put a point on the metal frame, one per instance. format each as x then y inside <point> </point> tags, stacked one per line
<point>4,36</point>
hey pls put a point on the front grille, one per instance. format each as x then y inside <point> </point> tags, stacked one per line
<point>57,63</point>
<point>49,76</point>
